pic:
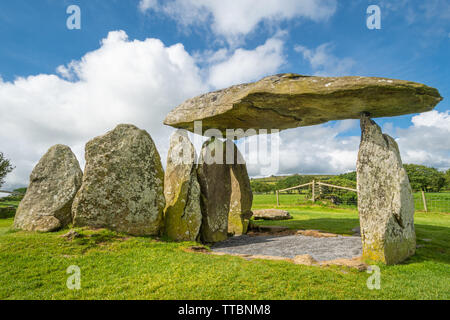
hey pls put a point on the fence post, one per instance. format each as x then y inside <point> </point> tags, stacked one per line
<point>278,200</point>
<point>424,201</point>
<point>313,191</point>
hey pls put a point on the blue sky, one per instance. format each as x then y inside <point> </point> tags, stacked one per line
<point>215,44</point>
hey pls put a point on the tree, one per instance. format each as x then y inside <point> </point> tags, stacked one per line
<point>349,176</point>
<point>261,187</point>
<point>5,168</point>
<point>447,179</point>
<point>425,178</point>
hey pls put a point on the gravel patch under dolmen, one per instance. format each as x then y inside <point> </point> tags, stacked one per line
<point>321,249</point>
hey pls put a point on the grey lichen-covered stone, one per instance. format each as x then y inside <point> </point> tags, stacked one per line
<point>123,184</point>
<point>54,182</point>
<point>271,214</point>
<point>385,199</point>
<point>215,184</point>
<point>291,100</point>
<point>241,198</point>
<point>183,216</point>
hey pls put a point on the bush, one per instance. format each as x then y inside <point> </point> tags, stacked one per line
<point>8,212</point>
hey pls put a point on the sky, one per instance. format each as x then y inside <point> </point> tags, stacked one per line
<point>132,61</point>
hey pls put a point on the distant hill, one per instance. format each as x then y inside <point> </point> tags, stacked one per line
<point>275,179</point>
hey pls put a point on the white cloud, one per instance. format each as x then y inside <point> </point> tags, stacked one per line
<point>145,5</point>
<point>312,150</point>
<point>122,82</point>
<point>139,82</point>
<point>426,141</point>
<point>247,65</point>
<point>324,62</point>
<point>236,18</point>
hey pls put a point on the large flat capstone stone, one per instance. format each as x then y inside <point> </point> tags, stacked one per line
<point>290,100</point>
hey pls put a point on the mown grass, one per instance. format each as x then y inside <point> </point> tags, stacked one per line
<point>116,266</point>
<point>436,202</point>
<point>5,204</point>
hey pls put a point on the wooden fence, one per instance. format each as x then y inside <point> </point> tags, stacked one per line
<point>313,187</point>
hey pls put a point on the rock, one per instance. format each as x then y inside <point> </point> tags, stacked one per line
<point>72,234</point>
<point>123,184</point>
<point>215,184</point>
<point>356,231</point>
<point>270,229</point>
<point>183,216</point>
<point>241,194</point>
<point>291,100</point>
<point>54,182</point>
<point>271,214</point>
<point>264,257</point>
<point>355,263</point>
<point>385,200</point>
<point>306,260</point>
<point>316,234</point>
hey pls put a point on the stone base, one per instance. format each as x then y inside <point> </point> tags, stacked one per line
<point>390,253</point>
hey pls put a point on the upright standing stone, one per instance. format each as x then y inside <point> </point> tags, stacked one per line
<point>183,216</point>
<point>215,183</point>
<point>123,184</point>
<point>385,200</point>
<point>54,182</point>
<point>241,193</point>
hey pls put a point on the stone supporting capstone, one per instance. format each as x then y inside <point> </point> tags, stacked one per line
<point>385,199</point>
<point>182,216</point>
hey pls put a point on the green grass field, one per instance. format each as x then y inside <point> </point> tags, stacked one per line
<point>5,204</point>
<point>116,266</point>
<point>436,202</point>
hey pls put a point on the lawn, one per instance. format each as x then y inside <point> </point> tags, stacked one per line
<point>116,266</point>
<point>436,202</point>
<point>4,204</point>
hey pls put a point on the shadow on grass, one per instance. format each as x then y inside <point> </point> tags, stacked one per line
<point>433,244</point>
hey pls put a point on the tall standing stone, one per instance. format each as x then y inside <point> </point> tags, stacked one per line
<point>241,193</point>
<point>183,216</point>
<point>123,184</point>
<point>53,184</point>
<point>215,183</point>
<point>385,199</point>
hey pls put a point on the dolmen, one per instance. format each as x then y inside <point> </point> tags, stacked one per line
<point>207,197</point>
<point>284,101</point>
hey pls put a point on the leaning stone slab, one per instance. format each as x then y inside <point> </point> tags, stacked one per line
<point>215,183</point>
<point>123,184</point>
<point>54,182</point>
<point>183,216</point>
<point>385,200</point>
<point>241,193</point>
<point>291,100</point>
<point>271,214</point>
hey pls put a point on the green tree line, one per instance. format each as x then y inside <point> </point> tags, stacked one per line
<point>421,178</point>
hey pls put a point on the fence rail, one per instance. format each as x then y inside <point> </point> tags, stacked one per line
<point>321,192</point>
<point>317,190</point>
